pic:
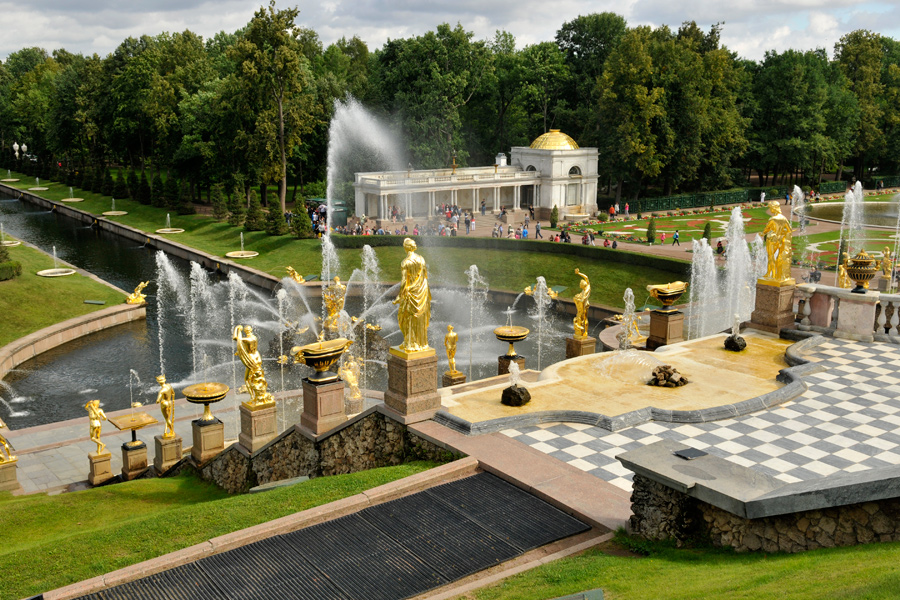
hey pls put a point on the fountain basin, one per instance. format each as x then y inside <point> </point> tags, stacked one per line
<point>59,272</point>
<point>205,394</point>
<point>511,334</point>
<point>321,356</point>
<point>38,189</point>
<point>9,180</point>
<point>169,230</point>
<point>874,214</point>
<point>241,254</point>
<point>73,199</point>
<point>115,213</point>
<point>10,243</point>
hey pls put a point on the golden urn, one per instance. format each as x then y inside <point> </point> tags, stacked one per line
<point>511,334</point>
<point>321,355</point>
<point>668,293</point>
<point>205,394</point>
<point>861,269</point>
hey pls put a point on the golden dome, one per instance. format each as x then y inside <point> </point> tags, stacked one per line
<point>554,140</point>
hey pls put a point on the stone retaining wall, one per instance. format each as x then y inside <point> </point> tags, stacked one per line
<point>660,512</point>
<point>370,440</point>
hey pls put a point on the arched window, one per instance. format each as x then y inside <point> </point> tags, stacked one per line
<point>574,172</point>
<point>530,168</point>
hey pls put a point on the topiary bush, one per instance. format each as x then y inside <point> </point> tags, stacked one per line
<point>707,231</point>
<point>219,202</point>
<point>172,192</point>
<point>554,217</point>
<point>256,218</point>
<point>236,210</point>
<point>651,231</point>
<point>143,191</point>
<point>157,191</point>
<point>275,222</point>
<point>301,225</point>
<point>184,205</point>
<point>120,188</point>
<point>8,268</point>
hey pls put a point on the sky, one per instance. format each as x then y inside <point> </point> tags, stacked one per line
<point>750,27</point>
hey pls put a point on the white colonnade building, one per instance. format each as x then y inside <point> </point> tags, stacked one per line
<point>553,171</point>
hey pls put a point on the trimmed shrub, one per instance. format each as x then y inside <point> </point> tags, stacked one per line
<point>219,202</point>
<point>301,226</point>
<point>172,191</point>
<point>10,269</point>
<point>133,184</point>
<point>143,190</point>
<point>707,231</point>
<point>97,182</point>
<point>236,210</point>
<point>120,189</point>
<point>275,222</point>
<point>87,180</point>
<point>554,217</point>
<point>256,218</point>
<point>158,192</point>
<point>184,205</point>
<point>651,231</point>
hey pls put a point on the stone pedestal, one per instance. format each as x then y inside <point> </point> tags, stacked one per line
<point>134,460</point>
<point>412,385</point>
<point>580,346</point>
<point>101,467</point>
<point>856,316</point>
<point>665,328</point>
<point>209,439</point>
<point>881,284</point>
<point>503,363</point>
<point>168,453</point>
<point>257,426</point>
<point>353,406</point>
<point>451,378</point>
<point>8,479</point>
<point>323,406</point>
<point>774,309</point>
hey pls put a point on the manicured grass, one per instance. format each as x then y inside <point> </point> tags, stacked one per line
<point>868,571</point>
<point>51,541</point>
<point>29,303</point>
<point>505,270</point>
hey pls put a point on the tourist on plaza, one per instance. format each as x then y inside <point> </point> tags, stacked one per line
<point>606,242</point>
<point>584,240</point>
<point>483,208</point>
<point>720,249</point>
<point>612,213</point>
<point>662,238</point>
<point>537,230</point>
<point>416,229</point>
<point>473,222</point>
<point>626,210</point>
<point>675,239</point>
<point>468,222</point>
<point>525,231</point>
<point>615,244</point>
<point>556,238</point>
<point>518,233</point>
<point>509,231</point>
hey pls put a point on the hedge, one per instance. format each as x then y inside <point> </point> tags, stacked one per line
<point>10,269</point>
<point>681,267</point>
<point>833,187</point>
<point>887,180</point>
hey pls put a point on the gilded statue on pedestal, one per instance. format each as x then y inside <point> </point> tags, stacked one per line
<point>136,297</point>
<point>844,280</point>
<point>6,455</point>
<point>255,382</point>
<point>450,347</point>
<point>582,304</point>
<point>333,296</point>
<point>414,300</point>
<point>96,414</point>
<point>778,245</point>
<point>349,372</point>
<point>166,400</point>
<point>295,276</point>
<point>887,262</point>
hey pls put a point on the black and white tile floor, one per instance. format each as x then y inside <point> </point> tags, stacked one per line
<point>848,420</point>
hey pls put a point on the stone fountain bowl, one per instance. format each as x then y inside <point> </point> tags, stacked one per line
<point>58,272</point>
<point>861,269</point>
<point>170,230</point>
<point>205,394</point>
<point>10,243</point>
<point>669,293</point>
<point>115,213</point>
<point>73,199</point>
<point>321,356</point>
<point>241,254</point>
<point>511,334</point>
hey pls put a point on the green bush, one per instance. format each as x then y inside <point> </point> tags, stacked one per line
<point>87,180</point>
<point>143,190</point>
<point>236,210</point>
<point>157,191</point>
<point>184,206</point>
<point>133,183</point>
<point>603,217</point>
<point>10,269</point>
<point>651,231</point>
<point>172,192</point>
<point>301,226</point>
<point>120,189</point>
<point>772,194</point>
<point>554,217</point>
<point>219,202</point>
<point>275,222</point>
<point>707,231</point>
<point>97,182</point>
<point>256,218</point>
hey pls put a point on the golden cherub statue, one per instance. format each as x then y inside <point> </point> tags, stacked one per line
<point>136,297</point>
<point>6,455</point>
<point>450,347</point>
<point>255,382</point>
<point>349,372</point>
<point>96,414</point>
<point>414,300</point>
<point>887,262</point>
<point>777,234</point>
<point>582,304</point>
<point>294,275</point>
<point>166,400</point>
<point>844,280</point>
<point>553,294</point>
<point>333,295</point>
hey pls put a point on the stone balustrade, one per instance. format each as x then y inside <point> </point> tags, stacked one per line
<point>873,316</point>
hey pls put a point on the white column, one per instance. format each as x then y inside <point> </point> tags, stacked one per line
<point>360,202</point>
<point>474,200</point>
<point>516,190</point>
<point>497,198</point>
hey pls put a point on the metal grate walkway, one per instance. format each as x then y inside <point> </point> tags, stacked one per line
<point>394,550</point>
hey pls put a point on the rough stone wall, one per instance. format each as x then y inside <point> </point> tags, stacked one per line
<point>294,455</point>
<point>230,470</point>
<point>369,443</point>
<point>659,513</point>
<point>418,448</point>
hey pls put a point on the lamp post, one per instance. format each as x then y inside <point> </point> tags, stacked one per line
<point>454,162</point>
<point>15,148</point>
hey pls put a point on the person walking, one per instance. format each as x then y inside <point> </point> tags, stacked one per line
<point>626,211</point>
<point>483,208</point>
<point>468,223</point>
<point>537,230</point>
<point>675,239</point>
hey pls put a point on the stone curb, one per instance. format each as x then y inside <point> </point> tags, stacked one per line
<point>319,514</point>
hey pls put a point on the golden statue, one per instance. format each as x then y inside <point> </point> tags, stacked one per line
<point>777,234</point>
<point>551,293</point>
<point>844,280</point>
<point>136,297</point>
<point>255,382</point>
<point>450,346</point>
<point>334,295</point>
<point>9,456</point>
<point>96,414</point>
<point>887,262</point>
<point>582,304</point>
<point>166,400</point>
<point>414,299</point>
<point>294,275</point>
<point>349,372</point>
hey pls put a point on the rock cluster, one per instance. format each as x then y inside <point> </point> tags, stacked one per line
<point>735,343</point>
<point>667,376</point>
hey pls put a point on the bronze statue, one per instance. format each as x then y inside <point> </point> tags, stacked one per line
<point>294,275</point>
<point>778,245</point>
<point>333,295</point>
<point>136,297</point>
<point>96,414</point>
<point>349,372</point>
<point>844,280</point>
<point>9,457</point>
<point>166,400</point>
<point>255,382</point>
<point>582,304</point>
<point>450,346</point>
<point>414,299</point>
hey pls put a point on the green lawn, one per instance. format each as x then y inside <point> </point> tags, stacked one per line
<point>29,303</point>
<point>504,270</point>
<point>51,541</point>
<point>868,571</point>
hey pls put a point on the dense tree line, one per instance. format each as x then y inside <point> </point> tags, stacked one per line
<point>670,110</point>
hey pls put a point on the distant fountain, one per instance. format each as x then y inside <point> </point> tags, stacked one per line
<point>740,275</point>
<point>704,292</point>
<point>852,232</point>
<point>70,192</point>
<point>477,292</point>
<point>539,313</point>
<point>330,261</point>
<point>201,300</point>
<point>371,274</point>
<point>113,204</point>
<point>132,378</point>
<point>626,363</point>
<point>798,200</point>
<point>626,336</point>
<point>169,292</point>
<point>37,181</point>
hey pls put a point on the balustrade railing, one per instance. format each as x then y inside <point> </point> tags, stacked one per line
<point>827,309</point>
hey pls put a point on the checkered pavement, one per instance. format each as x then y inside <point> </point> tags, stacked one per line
<point>848,420</point>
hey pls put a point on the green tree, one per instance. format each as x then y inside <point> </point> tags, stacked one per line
<point>651,231</point>
<point>301,225</point>
<point>172,192</point>
<point>144,194</point>
<point>157,191</point>
<point>707,231</point>
<point>554,216</point>
<point>544,79</point>
<point>120,189</point>
<point>219,202</point>
<point>184,206</point>
<point>256,218</point>
<point>236,210</point>
<point>275,222</point>
<point>860,56</point>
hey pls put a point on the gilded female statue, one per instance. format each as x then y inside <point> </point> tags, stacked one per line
<point>349,372</point>
<point>778,244</point>
<point>414,300</point>
<point>5,445</point>
<point>166,400</point>
<point>96,414</point>
<point>844,277</point>
<point>887,262</point>
<point>582,304</point>
<point>450,347</point>
<point>334,296</point>
<point>255,382</point>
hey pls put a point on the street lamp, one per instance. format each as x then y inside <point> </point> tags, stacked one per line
<point>16,149</point>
